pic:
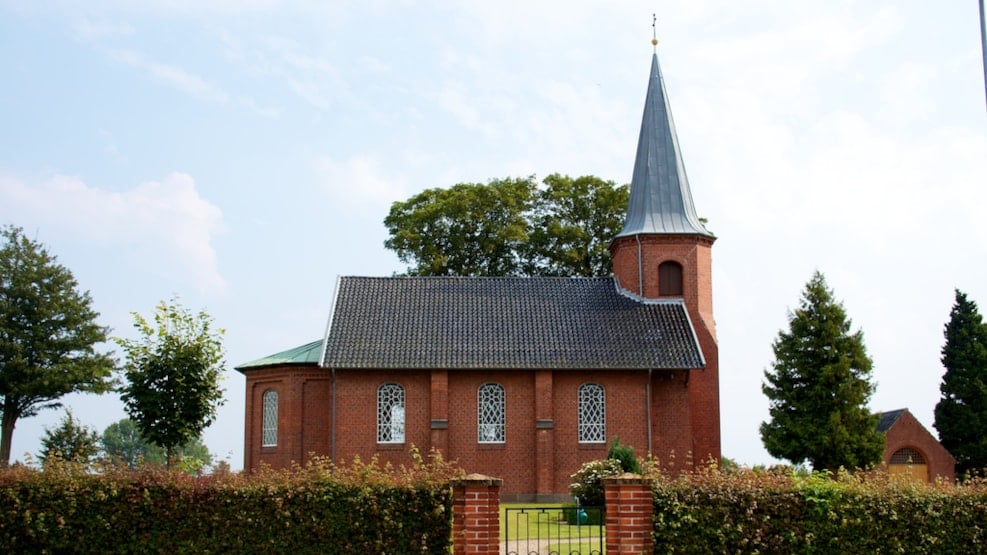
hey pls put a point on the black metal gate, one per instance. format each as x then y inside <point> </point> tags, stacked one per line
<point>554,531</point>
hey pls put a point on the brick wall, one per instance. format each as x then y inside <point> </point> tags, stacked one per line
<point>636,267</point>
<point>542,448</point>
<point>303,397</point>
<point>907,431</point>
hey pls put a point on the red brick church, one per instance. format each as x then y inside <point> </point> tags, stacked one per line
<point>523,379</point>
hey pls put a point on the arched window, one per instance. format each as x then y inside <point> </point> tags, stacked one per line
<point>592,413</point>
<point>269,419</point>
<point>390,413</point>
<point>670,279</point>
<point>907,455</point>
<point>491,411</point>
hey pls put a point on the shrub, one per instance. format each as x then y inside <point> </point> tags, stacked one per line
<point>586,486</point>
<point>747,511</point>
<point>316,508</point>
<point>624,454</point>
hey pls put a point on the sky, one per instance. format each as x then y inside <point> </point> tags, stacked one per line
<point>241,155</point>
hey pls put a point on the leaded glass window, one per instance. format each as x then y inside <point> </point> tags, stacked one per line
<point>269,424</point>
<point>491,413</point>
<point>907,455</point>
<point>592,413</point>
<point>390,413</point>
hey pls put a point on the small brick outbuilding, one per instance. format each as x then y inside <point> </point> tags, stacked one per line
<point>911,450</point>
<point>522,378</point>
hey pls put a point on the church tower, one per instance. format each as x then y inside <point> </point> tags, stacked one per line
<point>663,254</point>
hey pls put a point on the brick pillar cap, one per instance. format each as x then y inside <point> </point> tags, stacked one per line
<point>625,478</point>
<point>479,480</point>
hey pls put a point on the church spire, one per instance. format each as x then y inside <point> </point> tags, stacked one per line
<point>660,199</point>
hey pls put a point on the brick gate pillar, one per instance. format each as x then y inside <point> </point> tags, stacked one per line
<point>630,515</point>
<point>476,515</point>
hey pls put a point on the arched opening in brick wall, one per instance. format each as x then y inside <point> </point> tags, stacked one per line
<point>670,279</point>
<point>909,462</point>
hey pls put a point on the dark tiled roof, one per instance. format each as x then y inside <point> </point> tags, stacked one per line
<point>461,323</point>
<point>888,419</point>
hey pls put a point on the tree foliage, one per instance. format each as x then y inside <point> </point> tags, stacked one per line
<point>509,227</point>
<point>172,372</point>
<point>48,334</point>
<point>961,414</point>
<point>625,455</point>
<point>122,443</point>
<point>573,223</point>
<point>818,388</point>
<point>70,441</point>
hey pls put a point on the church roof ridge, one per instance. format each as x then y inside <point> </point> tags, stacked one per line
<point>504,323</point>
<point>660,197</point>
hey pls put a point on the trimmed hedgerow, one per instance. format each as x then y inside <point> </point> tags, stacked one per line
<point>774,512</point>
<point>359,508</point>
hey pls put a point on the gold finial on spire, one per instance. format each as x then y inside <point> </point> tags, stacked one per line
<point>654,31</point>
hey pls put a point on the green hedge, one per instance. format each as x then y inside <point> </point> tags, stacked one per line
<point>361,509</point>
<point>752,512</point>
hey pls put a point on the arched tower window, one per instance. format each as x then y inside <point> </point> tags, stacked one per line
<point>592,414</point>
<point>390,413</point>
<point>269,419</point>
<point>491,412</point>
<point>670,279</point>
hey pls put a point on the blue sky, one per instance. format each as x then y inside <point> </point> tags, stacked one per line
<point>242,154</point>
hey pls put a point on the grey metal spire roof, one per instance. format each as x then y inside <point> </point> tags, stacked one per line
<point>503,323</point>
<point>660,199</point>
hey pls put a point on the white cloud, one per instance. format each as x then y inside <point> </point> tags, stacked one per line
<point>359,180</point>
<point>88,29</point>
<point>173,76</point>
<point>161,226</point>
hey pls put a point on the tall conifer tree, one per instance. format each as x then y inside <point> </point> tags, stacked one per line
<point>961,414</point>
<point>819,386</point>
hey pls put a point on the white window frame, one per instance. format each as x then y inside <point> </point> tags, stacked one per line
<point>592,415</point>
<point>390,413</point>
<point>269,419</point>
<point>491,413</point>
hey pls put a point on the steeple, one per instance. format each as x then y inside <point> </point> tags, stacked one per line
<point>660,199</point>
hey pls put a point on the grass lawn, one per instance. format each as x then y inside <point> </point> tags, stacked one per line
<point>546,525</point>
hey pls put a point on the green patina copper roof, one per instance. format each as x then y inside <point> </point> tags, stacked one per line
<point>306,354</point>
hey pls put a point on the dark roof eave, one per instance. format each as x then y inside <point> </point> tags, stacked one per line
<point>244,369</point>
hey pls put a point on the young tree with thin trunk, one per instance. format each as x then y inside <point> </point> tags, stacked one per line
<point>961,414</point>
<point>818,388</point>
<point>48,335</point>
<point>172,373</point>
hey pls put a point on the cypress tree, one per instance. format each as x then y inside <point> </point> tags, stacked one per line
<point>961,414</point>
<point>818,388</point>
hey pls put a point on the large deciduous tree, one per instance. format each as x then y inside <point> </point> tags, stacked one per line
<point>469,229</point>
<point>48,334</point>
<point>509,227</point>
<point>573,224</point>
<point>172,372</point>
<point>961,414</point>
<point>818,388</point>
